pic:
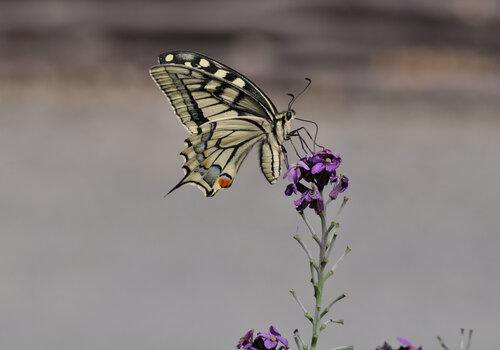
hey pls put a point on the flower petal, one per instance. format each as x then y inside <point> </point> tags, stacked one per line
<point>334,193</point>
<point>403,341</point>
<point>294,175</point>
<point>303,165</point>
<point>274,331</point>
<point>340,187</point>
<point>290,189</point>
<point>331,167</point>
<point>246,340</point>
<point>299,201</point>
<point>319,207</point>
<point>317,168</point>
<point>269,344</point>
<point>283,341</point>
<point>285,174</point>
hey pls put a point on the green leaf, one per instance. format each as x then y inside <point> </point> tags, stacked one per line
<point>345,347</point>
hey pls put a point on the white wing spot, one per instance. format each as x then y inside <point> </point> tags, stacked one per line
<point>187,64</point>
<point>239,82</point>
<point>212,85</point>
<point>204,63</point>
<point>169,57</point>
<point>221,73</point>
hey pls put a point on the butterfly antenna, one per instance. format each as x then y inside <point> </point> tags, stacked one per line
<point>291,101</point>
<point>300,93</point>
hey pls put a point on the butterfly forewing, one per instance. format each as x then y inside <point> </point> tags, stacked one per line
<point>217,70</point>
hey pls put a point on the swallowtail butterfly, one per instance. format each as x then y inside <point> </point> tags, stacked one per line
<point>226,115</point>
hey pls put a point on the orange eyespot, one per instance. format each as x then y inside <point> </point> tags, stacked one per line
<point>224,181</point>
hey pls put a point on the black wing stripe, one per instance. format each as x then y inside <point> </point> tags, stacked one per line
<point>195,112</point>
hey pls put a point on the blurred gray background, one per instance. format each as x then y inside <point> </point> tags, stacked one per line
<point>92,256</point>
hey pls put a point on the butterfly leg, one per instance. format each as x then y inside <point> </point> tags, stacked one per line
<point>305,147</point>
<point>313,139</point>
<point>294,148</point>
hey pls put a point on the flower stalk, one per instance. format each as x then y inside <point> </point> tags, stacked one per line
<point>322,274</point>
<point>309,177</point>
<point>318,287</point>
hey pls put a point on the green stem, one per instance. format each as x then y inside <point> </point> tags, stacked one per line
<point>319,275</point>
<point>318,287</point>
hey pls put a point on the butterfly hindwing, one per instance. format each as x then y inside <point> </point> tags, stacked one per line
<point>213,156</point>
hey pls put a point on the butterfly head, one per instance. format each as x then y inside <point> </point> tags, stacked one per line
<point>284,124</point>
<point>286,116</point>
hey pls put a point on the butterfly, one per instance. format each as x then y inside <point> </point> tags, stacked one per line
<point>226,115</point>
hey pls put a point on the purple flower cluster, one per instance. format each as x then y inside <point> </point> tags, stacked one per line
<point>263,341</point>
<point>405,345</point>
<point>310,175</point>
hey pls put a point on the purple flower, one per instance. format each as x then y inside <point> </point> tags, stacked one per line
<point>246,341</point>
<point>295,188</point>
<point>272,339</point>
<point>341,185</point>
<point>311,199</point>
<point>294,171</point>
<point>290,189</point>
<point>263,341</point>
<point>309,176</point>
<point>384,347</point>
<point>323,154</point>
<point>406,344</point>
<point>325,160</point>
<point>324,166</point>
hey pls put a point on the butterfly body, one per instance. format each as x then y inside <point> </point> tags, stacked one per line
<point>226,115</point>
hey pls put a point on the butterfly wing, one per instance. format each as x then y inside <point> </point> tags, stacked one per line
<point>201,89</point>
<point>226,114</point>
<point>213,156</point>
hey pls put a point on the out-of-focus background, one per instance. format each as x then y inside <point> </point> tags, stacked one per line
<point>93,257</point>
